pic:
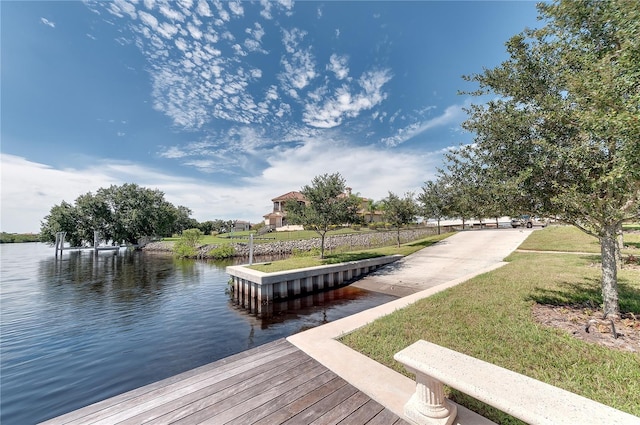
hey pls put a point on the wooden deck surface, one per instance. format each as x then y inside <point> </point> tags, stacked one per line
<point>275,383</point>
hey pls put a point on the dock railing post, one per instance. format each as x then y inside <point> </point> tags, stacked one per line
<point>251,249</point>
<point>60,242</point>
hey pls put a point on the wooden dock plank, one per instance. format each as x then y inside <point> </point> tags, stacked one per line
<point>386,417</point>
<point>364,414</point>
<point>318,409</point>
<point>88,413</point>
<point>258,396</point>
<point>187,385</point>
<point>287,405</point>
<point>211,389</point>
<point>342,410</point>
<point>272,384</point>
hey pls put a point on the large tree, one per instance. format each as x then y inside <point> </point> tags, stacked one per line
<point>434,200</point>
<point>563,128</point>
<point>118,213</point>
<point>399,211</point>
<point>326,205</point>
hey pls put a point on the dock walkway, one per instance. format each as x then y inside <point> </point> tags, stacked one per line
<point>275,383</point>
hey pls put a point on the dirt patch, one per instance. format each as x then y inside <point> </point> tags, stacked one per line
<point>575,319</point>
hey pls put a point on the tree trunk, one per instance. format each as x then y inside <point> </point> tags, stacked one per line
<point>619,245</point>
<point>398,236</point>
<point>609,272</point>
<point>438,225</point>
<point>322,245</point>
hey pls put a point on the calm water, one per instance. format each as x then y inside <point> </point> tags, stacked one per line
<point>81,328</point>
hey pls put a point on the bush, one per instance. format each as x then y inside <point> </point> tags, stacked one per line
<point>187,245</point>
<point>222,252</point>
<point>183,251</point>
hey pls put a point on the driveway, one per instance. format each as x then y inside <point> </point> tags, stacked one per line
<point>459,255</point>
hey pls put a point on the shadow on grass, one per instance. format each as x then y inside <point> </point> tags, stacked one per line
<point>588,294</point>
<point>424,243</point>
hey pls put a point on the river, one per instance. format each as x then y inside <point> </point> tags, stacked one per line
<point>81,328</point>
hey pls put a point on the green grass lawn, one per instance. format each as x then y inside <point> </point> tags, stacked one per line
<point>489,317</point>
<point>571,239</point>
<point>302,261</point>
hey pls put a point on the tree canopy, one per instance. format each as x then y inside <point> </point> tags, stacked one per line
<point>399,211</point>
<point>562,132</point>
<point>119,213</point>
<point>326,205</point>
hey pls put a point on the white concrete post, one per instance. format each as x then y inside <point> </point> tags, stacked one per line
<point>428,405</point>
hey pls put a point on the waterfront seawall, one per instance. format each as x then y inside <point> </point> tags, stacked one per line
<point>353,241</point>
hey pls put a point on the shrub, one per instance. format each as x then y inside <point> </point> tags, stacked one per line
<point>221,252</point>
<point>187,245</point>
<point>184,251</point>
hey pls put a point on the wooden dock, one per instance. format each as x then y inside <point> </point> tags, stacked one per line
<point>275,383</point>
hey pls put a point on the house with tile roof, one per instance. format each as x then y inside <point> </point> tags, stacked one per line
<point>277,219</point>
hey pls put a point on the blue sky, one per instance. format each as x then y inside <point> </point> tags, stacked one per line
<point>226,105</point>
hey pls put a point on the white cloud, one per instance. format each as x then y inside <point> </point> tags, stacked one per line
<point>266,9</point>
<point>236,8</point>
<point>194,31</point>
<point>48,22</point>
<point>329,113</point>
<point>149,20</point>
<point>367,169</point>
<point>125,7</point>
<point>203,9</point>
<point>171,14</point>
<point>338,65</point>
<point>453,115</point>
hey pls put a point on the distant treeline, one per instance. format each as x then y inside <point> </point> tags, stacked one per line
<point>19,237</point>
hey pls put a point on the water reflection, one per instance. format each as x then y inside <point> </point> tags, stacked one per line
<point>273,312</point>
<point>124,278</point>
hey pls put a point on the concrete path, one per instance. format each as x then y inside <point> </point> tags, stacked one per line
<point>422,274</point>
<point>459,255</point>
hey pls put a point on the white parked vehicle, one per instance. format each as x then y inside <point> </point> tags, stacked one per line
<point>528,221</point>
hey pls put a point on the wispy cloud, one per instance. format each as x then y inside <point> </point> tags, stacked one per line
<point>453,115</point>
<point>338,65</point>
<point>47,22</point>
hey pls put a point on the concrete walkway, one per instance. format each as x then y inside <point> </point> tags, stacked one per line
<point>419,275</point>
<point>459,255</point>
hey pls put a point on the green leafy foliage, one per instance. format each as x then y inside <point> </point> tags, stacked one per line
<point>399,211</point>
<point>222,252</point>
<point>562,132</point>
<point>187,245</point>
<point>119,213</point>
<point>18,237</point>
<point>326,206</point>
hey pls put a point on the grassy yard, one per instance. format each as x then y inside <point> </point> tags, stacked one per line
<point>570,239</point>
<point>302,261</point>
<point>490,317</point>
